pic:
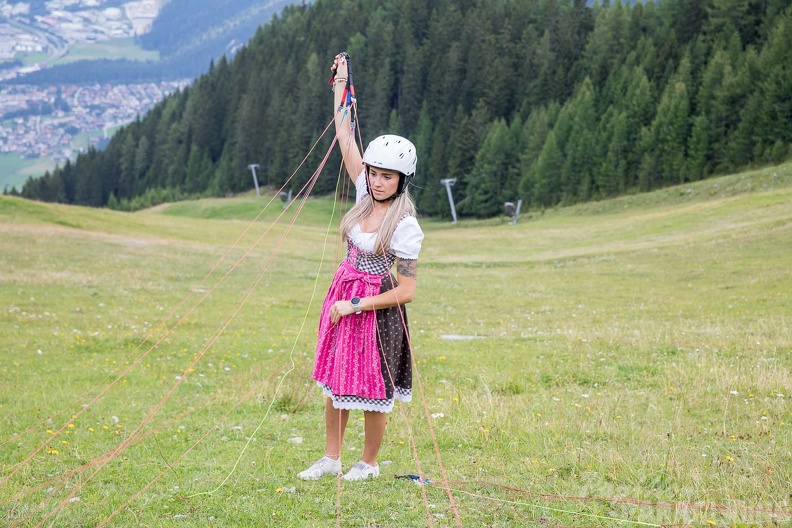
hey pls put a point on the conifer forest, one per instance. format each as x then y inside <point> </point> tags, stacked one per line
<point>549,101</point>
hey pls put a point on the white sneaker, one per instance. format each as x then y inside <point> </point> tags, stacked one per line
<point>323,466</point>
<point>362,471</point>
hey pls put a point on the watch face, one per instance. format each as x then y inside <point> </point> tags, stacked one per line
<point>355,300</point>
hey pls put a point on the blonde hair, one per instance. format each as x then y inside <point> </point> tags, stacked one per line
<point>400,206</point>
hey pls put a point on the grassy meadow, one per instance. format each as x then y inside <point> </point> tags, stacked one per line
<point>114,49</point>
<point>616,363</point>
<point>15,170</point>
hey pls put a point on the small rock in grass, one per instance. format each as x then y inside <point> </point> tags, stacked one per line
<point>295,440</point>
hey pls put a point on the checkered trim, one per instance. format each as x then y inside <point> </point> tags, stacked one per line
<point>369,262</point>
<point>351,402</point>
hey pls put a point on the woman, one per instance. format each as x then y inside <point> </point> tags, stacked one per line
<point>362,353</point>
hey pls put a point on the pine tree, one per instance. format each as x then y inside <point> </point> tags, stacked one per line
<point>698,162</point>
<point>664,163</point>
<point>422,141</point>
<point>487,186</point>
<point>547,174</point>
<point>775,120</point>
<point>535,132</point>
<point>578,171</point>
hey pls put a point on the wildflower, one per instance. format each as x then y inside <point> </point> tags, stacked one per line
<point>52,451</point>
<point>64,442</point>
<point>105,427</point>
<point>441,358</point>
<point>539,414</point>
<point>90,429</point>
<point>439,399</point>
<point>50,431</point>
<point>279,490</point>
<point>70,426</point>
<point>711,522</point>
<point>730,459</point>
<point>456,400</point>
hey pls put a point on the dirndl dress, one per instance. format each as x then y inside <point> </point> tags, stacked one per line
<point>363,361</point>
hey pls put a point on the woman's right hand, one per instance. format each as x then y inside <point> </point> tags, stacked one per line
<point>340,67</point>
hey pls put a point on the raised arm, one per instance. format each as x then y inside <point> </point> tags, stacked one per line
<point>353,160</point>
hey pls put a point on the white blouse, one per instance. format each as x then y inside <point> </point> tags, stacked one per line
<point>407,239</point>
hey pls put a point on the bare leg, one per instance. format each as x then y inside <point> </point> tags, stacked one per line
<point>375,431</point>
<point>335,425</point>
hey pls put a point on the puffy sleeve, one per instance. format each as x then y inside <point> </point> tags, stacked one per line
<point>406,241</point>
<point>360,187</point>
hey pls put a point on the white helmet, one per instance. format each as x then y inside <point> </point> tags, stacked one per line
<point>392,152</point>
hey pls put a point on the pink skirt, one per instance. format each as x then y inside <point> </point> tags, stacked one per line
<point>347,356</point>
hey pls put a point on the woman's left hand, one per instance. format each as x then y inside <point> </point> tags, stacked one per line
<point>340,309</point>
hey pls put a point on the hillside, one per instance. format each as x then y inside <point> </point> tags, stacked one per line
<point>186,36</point>
<point>625,361</point>
<point>563,103</point>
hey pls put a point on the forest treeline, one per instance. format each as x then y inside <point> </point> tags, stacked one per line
<point>551,101</point>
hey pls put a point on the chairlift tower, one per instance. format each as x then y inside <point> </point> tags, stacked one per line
<point>253,167</point>
<point>448,182</point>
<point>510,210</point>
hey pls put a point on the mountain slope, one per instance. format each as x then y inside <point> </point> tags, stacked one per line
<point>188,34</point>
<point>553,102</point>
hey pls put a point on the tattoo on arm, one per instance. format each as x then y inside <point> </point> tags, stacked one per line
<point>407,268</point>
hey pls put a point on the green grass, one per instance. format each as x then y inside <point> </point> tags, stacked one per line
<point>14,170</point>
<point>108,49</point>
<point>636,350</point>
<point>29,59</point>
<point>82,140</point>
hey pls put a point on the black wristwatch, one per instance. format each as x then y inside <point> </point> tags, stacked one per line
<point>356,304</point>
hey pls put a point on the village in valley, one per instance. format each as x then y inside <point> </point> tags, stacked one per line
<point>75,109</point>
<point>39,121</point>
